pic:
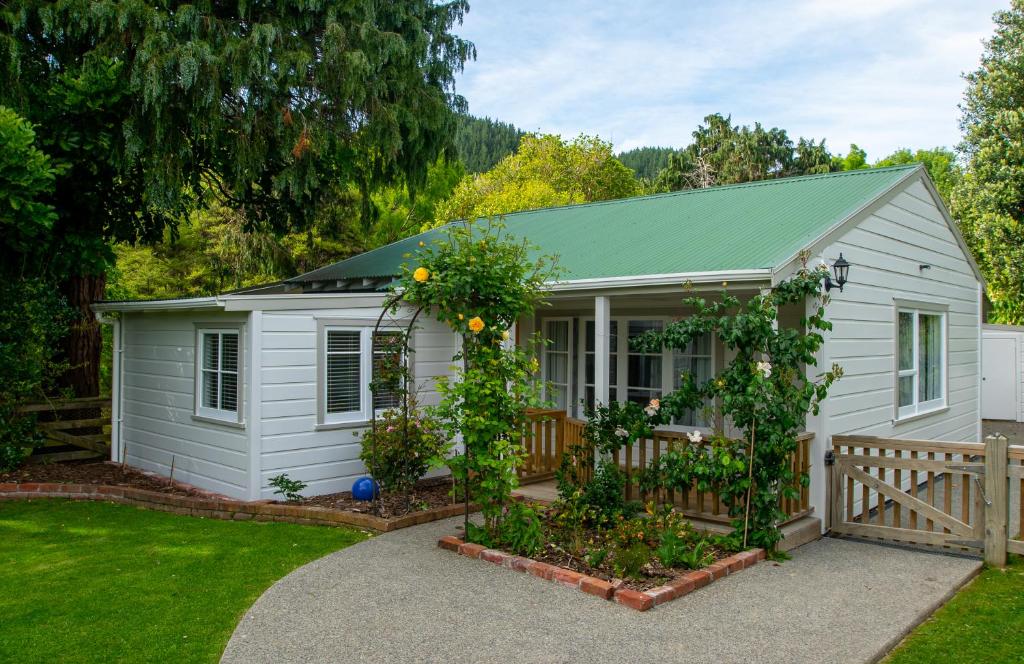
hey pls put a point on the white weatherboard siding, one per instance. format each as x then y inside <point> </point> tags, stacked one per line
<point>327,459</point>
<point>886,250</point>
<point>159,430</point>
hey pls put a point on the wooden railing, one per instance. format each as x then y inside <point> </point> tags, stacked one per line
<point>545,442</point>
<point>927,492</point>
<point>556,434</point>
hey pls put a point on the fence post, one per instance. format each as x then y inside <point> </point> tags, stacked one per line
<point>997,500</point>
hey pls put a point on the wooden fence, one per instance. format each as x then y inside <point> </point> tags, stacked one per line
<point>950,494</point>
<point>74,428</point>
<point>553,434</point>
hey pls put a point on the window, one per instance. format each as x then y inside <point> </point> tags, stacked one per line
<point>643,370</point>
<point>343,375</point>
<point>698,361</point>
<point>350,358</point>
<point>556,362</point>
<point>218,376</point>
<point>921,341</point>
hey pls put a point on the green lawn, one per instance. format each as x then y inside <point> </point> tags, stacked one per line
<point>984,622</point>
<point>99,582</point>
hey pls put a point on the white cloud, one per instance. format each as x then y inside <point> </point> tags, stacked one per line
<point>882,74</point>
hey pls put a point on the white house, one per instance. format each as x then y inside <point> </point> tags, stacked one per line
<point>243,386</point>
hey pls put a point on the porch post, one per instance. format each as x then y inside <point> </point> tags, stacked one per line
<point>602,348</point>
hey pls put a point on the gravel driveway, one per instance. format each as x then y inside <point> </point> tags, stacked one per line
<point>398,598</point>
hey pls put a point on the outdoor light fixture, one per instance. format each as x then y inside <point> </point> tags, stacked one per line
<point>842,268</point>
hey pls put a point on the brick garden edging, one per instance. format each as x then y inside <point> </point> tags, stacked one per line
<point>213,506</point>
<point>634,599</point>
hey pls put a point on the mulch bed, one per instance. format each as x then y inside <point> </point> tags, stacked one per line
<point>655,574</point>
<point>429,494</point>
<point>94,472</point>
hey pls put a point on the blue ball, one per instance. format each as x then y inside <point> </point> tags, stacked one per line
<point>365,488</point>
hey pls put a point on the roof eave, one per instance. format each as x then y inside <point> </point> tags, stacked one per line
<point>715,276</point>
<point>182,304</point>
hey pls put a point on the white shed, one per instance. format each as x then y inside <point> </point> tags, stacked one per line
<point>1002,373</point>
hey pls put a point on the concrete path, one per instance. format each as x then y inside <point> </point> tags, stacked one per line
<point>398,598</point>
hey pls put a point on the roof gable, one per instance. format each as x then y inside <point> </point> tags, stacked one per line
<point>755,225</point>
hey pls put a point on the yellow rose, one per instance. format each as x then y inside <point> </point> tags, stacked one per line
<point>461,316</point>
<point>505,335</point>
<point>421,274</point>
<point>422,244</point>
<point>476,324</point>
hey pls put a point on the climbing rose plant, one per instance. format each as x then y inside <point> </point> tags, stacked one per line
<point>764,391</point>
<point>479,281</point>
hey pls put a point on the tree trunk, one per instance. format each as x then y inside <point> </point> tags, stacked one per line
<point>84,341</point>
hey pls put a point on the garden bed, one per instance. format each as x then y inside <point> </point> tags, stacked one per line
<point>124,484</point>
<point>621,591</point>
<point>428,495</point>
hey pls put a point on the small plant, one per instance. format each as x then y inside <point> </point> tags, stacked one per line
<point>521,530</point>
<point>596,557</point>
<point>630,559</point>
<point>289,488</point>
<point>684,549</point>
<point>403,448</point>
<point>606,492</point>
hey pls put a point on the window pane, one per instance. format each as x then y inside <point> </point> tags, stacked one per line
<point>387,361</point>
<point>641,396</point>
<point>930,357</point>
<point>906,336</point>
<point>342,341</point>
<point>229,392</point>
<point>588,336</point>
<point>208,399</point>
<point>229,352</point>
<point>645,371</point>
<point>211,350</point>
<point>343,386</point>
<point>906,391</point>
<point>588,369</point>
<point>558,367</point>
<point>557,394</point>
<point>558,334</point>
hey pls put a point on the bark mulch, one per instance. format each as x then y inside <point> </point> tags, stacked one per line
<point>429,494</point>
<point>94,472</point>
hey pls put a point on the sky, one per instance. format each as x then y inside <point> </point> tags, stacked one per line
<point>881,74</point>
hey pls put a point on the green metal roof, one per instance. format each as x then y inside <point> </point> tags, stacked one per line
<point>756,225</point>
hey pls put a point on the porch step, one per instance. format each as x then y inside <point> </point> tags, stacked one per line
<point>795,533</point>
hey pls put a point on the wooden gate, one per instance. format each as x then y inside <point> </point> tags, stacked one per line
<point>947,494</point>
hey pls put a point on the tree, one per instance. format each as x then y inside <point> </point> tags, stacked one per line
<point>941,163</point>
<point>722,153</point>
<point>546,171</point>
<point>482,142</point>
<point>26,179</point>
<point>274,110</point>
<point>854,160</point>
<point>647,161</point>
<point>989,202</point>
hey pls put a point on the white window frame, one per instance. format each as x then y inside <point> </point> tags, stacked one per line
<point>571,386</point>
<point>918,408</point>
<point>364,414</point>
<point>218,415</point>
<point>622,363</point>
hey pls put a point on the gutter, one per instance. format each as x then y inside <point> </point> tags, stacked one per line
<point>762,274</point>
<point>190,303</point>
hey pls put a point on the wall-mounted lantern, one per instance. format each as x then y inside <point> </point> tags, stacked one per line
<point>841,268</point>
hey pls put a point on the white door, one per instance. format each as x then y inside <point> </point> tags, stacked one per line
<point>999,369</point>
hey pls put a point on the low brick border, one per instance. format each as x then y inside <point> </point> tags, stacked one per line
<point>634,599</point>
<point>212,506</point>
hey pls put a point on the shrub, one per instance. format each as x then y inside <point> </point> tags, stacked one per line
<point>401,449</point>
<point>289,488</point>
<point>628,560</point>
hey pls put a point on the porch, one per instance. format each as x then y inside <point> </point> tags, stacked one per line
<point>553,433</point>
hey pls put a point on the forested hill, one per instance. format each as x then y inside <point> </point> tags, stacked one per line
<point>483,142</point>
<point>647,161</point>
